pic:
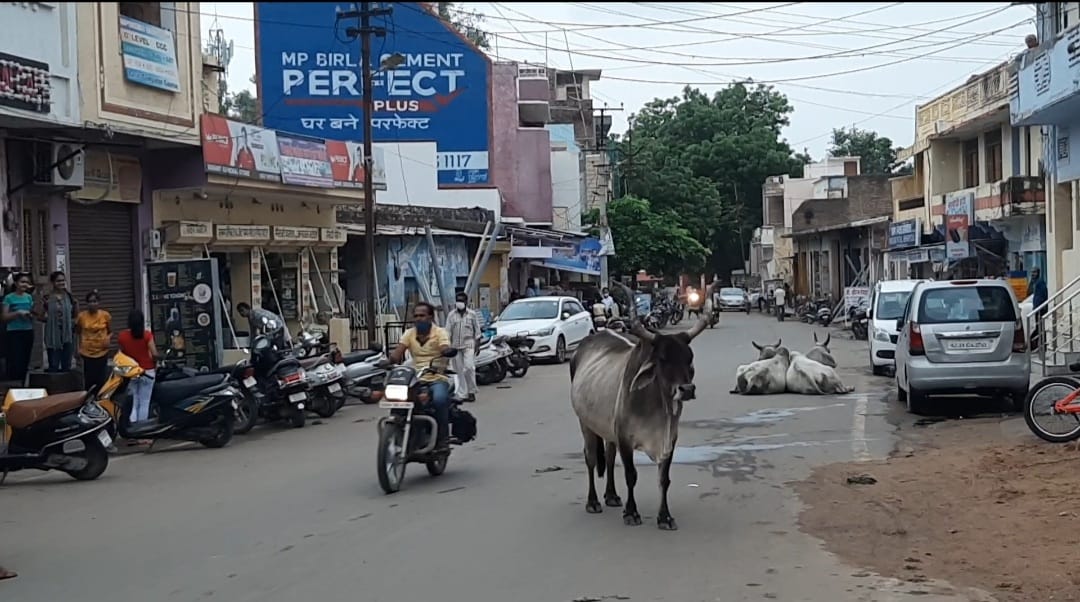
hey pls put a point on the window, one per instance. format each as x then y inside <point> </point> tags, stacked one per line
<point>530,310</point>
<point>911,204</point>
<point>890,305</point>
<point>573,307</point>
<point>971,162</point>
<point>158,14</point>
<point>967,304</point>
<point>993,156</point>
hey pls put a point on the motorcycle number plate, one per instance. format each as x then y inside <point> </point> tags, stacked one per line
<point>249,382</point>
<point>388,404</point>
<point>105,439</point>
<point>298,397</point>
<point>334,388</point>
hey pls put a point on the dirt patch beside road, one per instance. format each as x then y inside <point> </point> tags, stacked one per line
<point>1002,518</point>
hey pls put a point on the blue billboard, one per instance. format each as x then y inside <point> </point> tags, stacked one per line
<point>309,82</point>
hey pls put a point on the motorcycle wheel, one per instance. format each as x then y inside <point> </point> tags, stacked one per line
<point>222,438</point>
<point>1047,392</point>
<point>521,369</point>
<point>97,460</point>
<point>500,371</point>
<point>247,415</point>
<point>391,469</point>
<point>437,467</point>
<point>325,406</point>
<point>297,419</point>
<point>339,401</point>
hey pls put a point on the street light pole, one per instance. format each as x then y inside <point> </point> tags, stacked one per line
<point>364,14</point>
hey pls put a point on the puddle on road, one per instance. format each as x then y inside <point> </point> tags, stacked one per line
<point>707,454</point>
<point>760,417</point>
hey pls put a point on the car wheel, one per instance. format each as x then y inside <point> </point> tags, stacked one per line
<point>916,402</point>
<point>901,394</point>
<point>560,350</point>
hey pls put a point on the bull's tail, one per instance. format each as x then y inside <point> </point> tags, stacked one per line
<point>601,458</point>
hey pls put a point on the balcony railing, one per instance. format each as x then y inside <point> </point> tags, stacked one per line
<point>1018,195</point>
<point>982,94</point>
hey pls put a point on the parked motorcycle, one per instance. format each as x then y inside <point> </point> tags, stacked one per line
<point>193,408</point>
<point>860,321</point>
<point>280,383</point>
<point>490,365</point>
<point>242,376</point>
<point>310,344</point>
<point>518,361</point>
<point>364,377</point>
<point>325,376</point>
<point>408,434</point>
<point>68,432</point>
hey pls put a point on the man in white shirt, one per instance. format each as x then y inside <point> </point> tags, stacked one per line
<point>463,325</point>
<point>779,297</point>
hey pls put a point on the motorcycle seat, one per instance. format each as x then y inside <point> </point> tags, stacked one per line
<point>355,357</point>
<point>172,391</point>
<point>22,414</point>
<point>312,362</point>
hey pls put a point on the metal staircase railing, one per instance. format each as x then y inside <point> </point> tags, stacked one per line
<point>1058,327</point>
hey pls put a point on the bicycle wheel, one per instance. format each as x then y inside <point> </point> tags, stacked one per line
<point>1042,418</point>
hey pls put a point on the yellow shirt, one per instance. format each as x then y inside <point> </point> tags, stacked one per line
<point>93,333</point>
<point>423,355</point>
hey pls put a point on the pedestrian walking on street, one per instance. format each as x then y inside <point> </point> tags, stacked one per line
<point>94,327</point>
<point>138,343</point>
<point>464,328</point>
<point>18,314</point>
<point>59,314</point>
<point>779,298</point>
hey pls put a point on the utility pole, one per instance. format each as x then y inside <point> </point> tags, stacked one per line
<point>605,232</point>
<point>365,32</point>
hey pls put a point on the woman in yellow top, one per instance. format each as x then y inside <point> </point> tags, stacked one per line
<point>94,327</point>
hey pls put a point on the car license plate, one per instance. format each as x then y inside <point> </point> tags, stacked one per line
<point>334,388</point>
<point>105,439</point>
<point>249,382</point>
<point>390,404</point>
<point>298,397</point>
<point>970,345</point>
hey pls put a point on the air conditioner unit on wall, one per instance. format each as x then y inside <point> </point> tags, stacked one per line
<point>59,164</point>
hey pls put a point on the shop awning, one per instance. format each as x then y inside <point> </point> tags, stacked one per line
<point>392,230</point>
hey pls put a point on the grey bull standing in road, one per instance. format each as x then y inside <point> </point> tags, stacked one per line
<point>628,391</point>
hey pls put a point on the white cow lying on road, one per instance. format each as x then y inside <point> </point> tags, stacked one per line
<point>763,377</point>
<point>783,370</point>
<point>808,377</point>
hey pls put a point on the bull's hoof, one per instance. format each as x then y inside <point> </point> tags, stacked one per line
<point>666,523</point>
<point>631,519</point>
<point>593,507</point>
<point>612,501</point>
<point>734,392</point>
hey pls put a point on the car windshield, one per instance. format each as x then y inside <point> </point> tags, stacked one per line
<point>731,292</point>
<point>890,306</point>
<point>967,304</point>
<point>530,310</point>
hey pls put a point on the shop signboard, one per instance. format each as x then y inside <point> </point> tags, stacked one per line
<point>225,233</point>
<point>905,234</point>
<point>347,161</point>
<point>185,311</point>
<point>25,84</point>
<point>854,295</point>
<point>296,234</point>
<point>232,148</point>
<point>334,236</point>
<point>149,55</point>
<point>583,258</point>
<point>959,211</point>
<point>431,84</point>
<point>304,161</point>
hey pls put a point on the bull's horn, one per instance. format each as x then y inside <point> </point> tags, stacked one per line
<point>756,346</point>
<point>828,338</point>
<point>778,342</point>
<point>634,323</point>
<point>815,337</point>
<point>706,314</point>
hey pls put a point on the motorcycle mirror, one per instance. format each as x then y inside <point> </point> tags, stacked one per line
<point>451,352</point>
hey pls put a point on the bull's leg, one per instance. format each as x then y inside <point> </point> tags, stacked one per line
<point>630,514</point>
<point>664,520</point>
<point>611,497</point>
<point>592,444</point>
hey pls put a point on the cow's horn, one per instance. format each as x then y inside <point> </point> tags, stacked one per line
<point>706,314</point>
<point>636,328</point>
<point>828,338</point>
<point>779,341</point>
<point>756,346</point>
<point>815,337</point>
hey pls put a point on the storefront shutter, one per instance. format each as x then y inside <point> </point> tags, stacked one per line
<point>101,256</point>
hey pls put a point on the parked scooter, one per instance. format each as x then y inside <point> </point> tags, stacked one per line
<point>860,321</point>
<point>364,377</point>
<point>242,376</point>
<point>196,408</point>
<point>68,432</point>
<point>325,375</point>
<point>408,434</point>
<point>310,344</point>
<point>518,361</point>
<point>490,367</point>
<point>279,381</point>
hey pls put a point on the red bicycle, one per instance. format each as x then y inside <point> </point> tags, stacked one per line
<point>1052,408</point>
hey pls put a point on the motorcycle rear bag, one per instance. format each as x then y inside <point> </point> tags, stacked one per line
<point>462,425</point>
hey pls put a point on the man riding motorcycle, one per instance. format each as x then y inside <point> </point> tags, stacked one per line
<point>426,341</point>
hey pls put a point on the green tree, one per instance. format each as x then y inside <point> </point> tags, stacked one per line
<point>877,152</point>
<point>242,106</point>
<point>467,23</point>
<point>651,241</point>
<point>704,159</point>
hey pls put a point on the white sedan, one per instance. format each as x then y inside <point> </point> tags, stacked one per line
<point>557,324</point>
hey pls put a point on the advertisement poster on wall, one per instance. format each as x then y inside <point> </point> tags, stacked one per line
<point>438,91</point>
<point>232,148</point>
<point>149,55</point>
<point>583,258</point>
<point>304,161</point>
<point>185,311</point>
<point>959,210</point>
<point>347,161</point>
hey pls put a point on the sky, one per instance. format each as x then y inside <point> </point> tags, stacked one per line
<point>841,64</point>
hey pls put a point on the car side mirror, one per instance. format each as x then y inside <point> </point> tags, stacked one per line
<point>900,324</point>
<point>869,314</point>
<point>566,315</point>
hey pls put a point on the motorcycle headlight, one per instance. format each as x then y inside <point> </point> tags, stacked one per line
<point>881,335</point>
<point>546,332</point>
<point>397,392</point>
<point>694,297</point>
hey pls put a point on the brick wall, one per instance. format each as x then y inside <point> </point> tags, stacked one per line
<point>868,197</point>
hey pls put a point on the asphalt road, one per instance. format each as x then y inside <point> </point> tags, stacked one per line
<point>286,516</point>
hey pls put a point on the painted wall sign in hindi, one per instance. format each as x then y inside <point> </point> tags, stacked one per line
<point>309,83</point>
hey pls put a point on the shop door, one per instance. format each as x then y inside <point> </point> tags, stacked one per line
<point>102,256</point>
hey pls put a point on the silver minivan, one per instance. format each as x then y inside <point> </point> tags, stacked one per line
<point>961,337</point>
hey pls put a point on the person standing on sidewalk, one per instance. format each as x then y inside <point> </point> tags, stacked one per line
<point>60,311</point>
<point>464,328</point>
<point>94,327</point>
<point>19,322</point>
